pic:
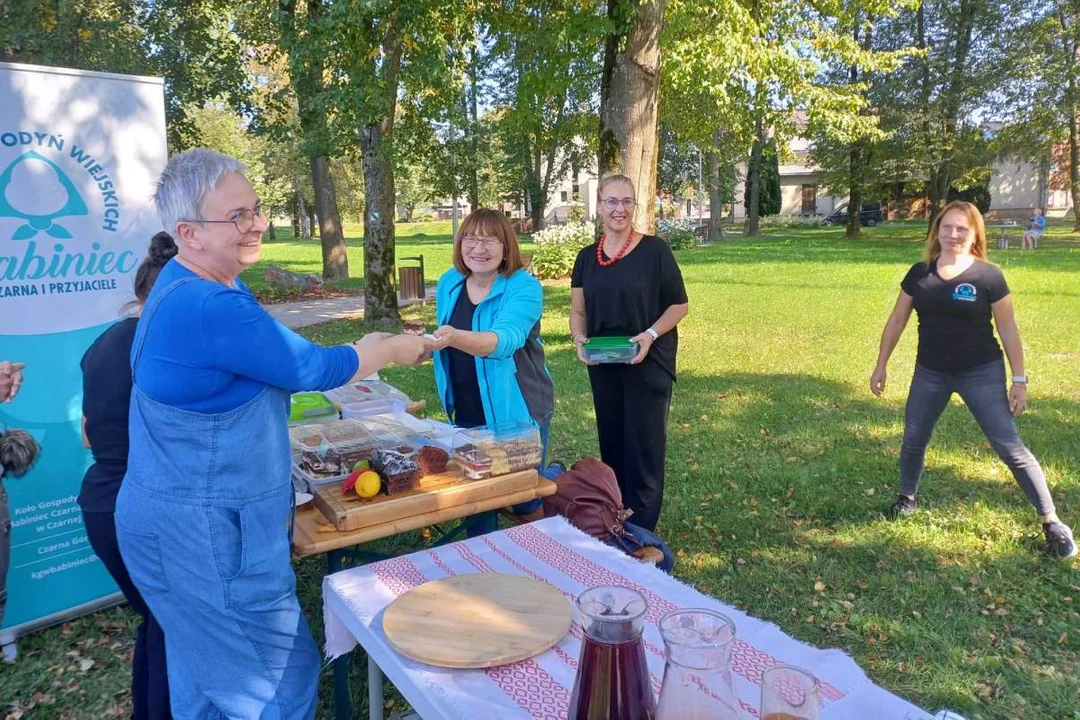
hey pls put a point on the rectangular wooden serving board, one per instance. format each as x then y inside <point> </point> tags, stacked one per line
<point>436,492</point>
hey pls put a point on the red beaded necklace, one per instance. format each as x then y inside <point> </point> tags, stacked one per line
<point>622,251</point>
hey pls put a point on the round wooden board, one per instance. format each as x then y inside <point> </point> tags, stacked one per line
<point>478,620</point>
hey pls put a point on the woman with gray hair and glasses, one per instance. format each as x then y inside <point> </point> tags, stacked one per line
<point>203,510</point>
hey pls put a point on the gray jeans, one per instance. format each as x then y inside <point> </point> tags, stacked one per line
<point>983,390</point>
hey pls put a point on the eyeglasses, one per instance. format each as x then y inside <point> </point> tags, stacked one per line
<point>489,243</point>
<point>242,220</point>
<point>611,203</point>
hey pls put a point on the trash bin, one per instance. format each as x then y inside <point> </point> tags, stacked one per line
<point>411,280</point>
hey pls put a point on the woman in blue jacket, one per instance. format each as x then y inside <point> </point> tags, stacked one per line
<point>490,367</point>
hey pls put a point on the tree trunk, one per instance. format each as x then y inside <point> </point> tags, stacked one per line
<point>629,94</point>
<point>753,180</point>
<point>305,219</point>
<point>1072,50</point>
<point>334,254</point>
<point>943,175</point>
<point>380,297</point>
<point>1074,158</point>
<point>716,191</point>
<point>854,218</point>
<point>307,74</point>
<point>855,166</point>
<point>472,176</point>
<point>270,230</point>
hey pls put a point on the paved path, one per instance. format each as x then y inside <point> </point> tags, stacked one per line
<point>312,312</point>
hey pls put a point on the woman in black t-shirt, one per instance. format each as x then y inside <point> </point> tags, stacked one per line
<point>628,284</point>
<point>106,368</point>
<point>955,293</point>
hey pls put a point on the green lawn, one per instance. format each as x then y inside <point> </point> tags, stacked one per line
<point>433,240</point>
<point>780,462</point>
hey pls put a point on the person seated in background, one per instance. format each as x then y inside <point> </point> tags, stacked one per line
<point>1036,225</point>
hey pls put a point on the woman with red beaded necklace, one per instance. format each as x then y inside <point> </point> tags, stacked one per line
<point>628,284</point>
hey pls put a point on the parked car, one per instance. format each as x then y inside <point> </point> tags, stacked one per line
<point>870,215</point>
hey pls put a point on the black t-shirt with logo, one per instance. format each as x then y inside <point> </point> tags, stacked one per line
<point>955,329</point>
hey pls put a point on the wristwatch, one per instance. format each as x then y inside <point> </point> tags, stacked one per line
<point>655,335</point>
<point>1019,379</point>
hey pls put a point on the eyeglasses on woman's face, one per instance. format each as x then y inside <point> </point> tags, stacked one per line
<point>243,220</point>
<point>612,203</point>
<point>488,243</point>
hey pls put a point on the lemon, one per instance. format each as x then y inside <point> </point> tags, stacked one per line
<point>368,484</point>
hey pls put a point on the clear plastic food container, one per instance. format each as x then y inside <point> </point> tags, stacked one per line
<point>362,390</point>
<point>307,406</point>
<point>387,432</point>
<point>497,450</point>
<point>328,452</point>
<point>610,350</point>
<point>371,406</point>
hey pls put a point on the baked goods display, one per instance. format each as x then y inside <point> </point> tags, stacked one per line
<point>497,450</point>
<point>344,450</point>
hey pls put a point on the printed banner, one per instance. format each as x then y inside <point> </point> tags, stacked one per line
<point>79,154</point>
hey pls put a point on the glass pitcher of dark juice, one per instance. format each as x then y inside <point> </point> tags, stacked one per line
<point>613,676</point>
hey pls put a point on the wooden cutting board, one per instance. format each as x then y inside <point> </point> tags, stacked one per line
<point>349,512</point>
<point>478,620</point>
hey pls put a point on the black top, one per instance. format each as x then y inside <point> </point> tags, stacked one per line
<point>468,407</point>
<point>626,298</point>
<point>955,330</point>
<point>106,369</point>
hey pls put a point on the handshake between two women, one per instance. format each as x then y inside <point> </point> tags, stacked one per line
<point>379,349</point>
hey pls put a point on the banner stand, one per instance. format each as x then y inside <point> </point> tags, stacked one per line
<point>80,153</point>
<point>9,636</point>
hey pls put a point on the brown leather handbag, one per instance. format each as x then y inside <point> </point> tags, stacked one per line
<point>589,497</point>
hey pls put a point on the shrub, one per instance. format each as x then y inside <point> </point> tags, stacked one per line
<point>680,239</point>
<point>792,221</point>
<point>679,232</point>
<point>557,248</point>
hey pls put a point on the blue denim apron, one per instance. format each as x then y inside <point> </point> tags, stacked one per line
<point>201,521</point>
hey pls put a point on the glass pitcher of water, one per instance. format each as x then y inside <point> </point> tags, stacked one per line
<point>697,678</point>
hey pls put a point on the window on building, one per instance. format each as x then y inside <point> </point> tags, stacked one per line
<point>563,194</point>
<point>809,199</point>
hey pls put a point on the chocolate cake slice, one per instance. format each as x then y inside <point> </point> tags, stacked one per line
<point>432,460</point>
<point>399,472</point>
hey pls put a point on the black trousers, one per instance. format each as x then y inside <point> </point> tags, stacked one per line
<point>632,403</point>
<point>149,679</point>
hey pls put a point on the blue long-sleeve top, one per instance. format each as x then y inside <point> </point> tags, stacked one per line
<point>210,348</point>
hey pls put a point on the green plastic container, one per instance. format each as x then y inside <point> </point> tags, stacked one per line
<point>610,350</point>
<point>310,406</point>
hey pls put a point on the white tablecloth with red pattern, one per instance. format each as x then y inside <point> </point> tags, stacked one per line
<point>558,554</point>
